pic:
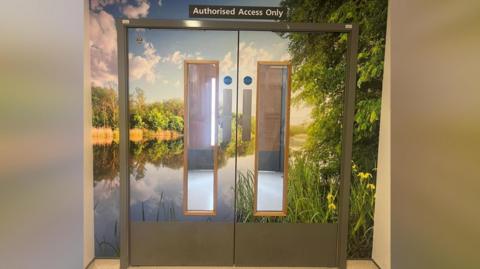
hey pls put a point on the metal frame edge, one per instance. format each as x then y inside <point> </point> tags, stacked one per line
<point>349,106</point>
<point>122,51</point>
<point>347,141</point>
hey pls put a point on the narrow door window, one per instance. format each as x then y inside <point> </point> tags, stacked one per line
<point>201,121</point>
<point>271,151</point>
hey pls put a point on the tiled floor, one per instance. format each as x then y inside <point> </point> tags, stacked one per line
<point>115,264</point>
<point>201,189</point>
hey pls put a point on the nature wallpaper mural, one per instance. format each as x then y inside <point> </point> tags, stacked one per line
<point>157,128</point>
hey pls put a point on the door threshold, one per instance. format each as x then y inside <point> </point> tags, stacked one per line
<point>115,264</point>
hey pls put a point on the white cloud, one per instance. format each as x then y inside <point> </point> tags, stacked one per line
<point>103,49</point>
<point>138,11</point>
<point>176,58</point>
<point>149,189</point>
<point>144,190</point>
<point>227,65</point>
<point>98,5</point>
<point>143,66</point>
<point>249,56</point>
<point>103,41</point>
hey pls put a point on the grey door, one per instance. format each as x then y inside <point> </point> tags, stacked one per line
<point>282,216</point>
<point>221,169</point>
<point>182,168</point>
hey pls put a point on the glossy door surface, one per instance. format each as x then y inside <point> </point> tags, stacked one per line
<point>182,153</point>
<point>286,208</point>
<point>223,136</point>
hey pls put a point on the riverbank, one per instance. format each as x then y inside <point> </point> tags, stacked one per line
<point>106,136</point>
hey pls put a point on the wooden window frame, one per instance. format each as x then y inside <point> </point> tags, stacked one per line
<point>283,212</point>
<point>186,211</point>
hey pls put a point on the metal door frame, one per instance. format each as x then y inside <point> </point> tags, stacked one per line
<point>349,105</point>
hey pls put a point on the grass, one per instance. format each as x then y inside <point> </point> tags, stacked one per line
<point>244,202</point>
<point>168,211</point>
<point>362,205</point>
<point>313,199</point>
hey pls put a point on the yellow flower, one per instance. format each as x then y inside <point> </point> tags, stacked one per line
<point>370,186</point>
<point>330,197</point>
<point>354,167</point>
<point>363,176</point>
<point>332,206</point>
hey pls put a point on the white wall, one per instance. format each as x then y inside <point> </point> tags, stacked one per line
<point>435,133</point>
<point>41,134</point>
<point>88,214</point>
<point>381,232</point>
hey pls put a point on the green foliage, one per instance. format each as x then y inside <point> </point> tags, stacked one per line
<point>239,146</point>
<point>136,121</point>
<point>175,123</point>
<point>368,113</point>
<point>104,108</point>
<point>318,79</point>
<point>244,197</point>
<point>156,120</point>
<point>106,162</point>
<point>362,202</point>
<point>166,115</point>
<point>167,153</point>
<point>314,200</point>
<point>319,72</point>
<point>310,198</point>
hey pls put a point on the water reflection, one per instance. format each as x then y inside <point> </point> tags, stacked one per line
<point>106,199</point>
<point>156,182</point>
<point>156,178</point>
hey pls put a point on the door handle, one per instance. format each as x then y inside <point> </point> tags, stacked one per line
<point>247,115</point>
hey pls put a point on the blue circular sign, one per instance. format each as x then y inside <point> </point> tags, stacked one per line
<point>227,80</point>
<point>247,80</point>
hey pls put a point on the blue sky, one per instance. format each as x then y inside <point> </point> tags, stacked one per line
<point>156,65</point>
<point>173,47</point>
<point>103,32</point>
<point>176,9</point>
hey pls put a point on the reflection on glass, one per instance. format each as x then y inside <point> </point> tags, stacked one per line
<point>247,115</point>
<point>271,151</point>
<point>200,155</point>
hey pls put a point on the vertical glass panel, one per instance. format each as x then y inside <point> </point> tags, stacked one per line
<point>200,177</point>
<point>271,149</point>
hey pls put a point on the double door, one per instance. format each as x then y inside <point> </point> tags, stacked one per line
<point>219,169</point>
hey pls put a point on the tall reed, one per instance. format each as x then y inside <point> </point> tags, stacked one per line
<point>313,199</point>
<point>310,198</point>
<point>362,206</point>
